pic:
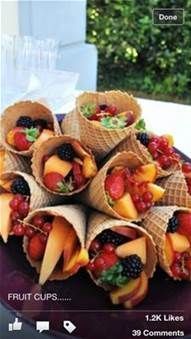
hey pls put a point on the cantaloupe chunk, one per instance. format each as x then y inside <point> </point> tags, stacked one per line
<point>170,139</point>
<point>168,250</point>
<point>146,173</point>
<point>55,164</point>
<point>70,246</point>
<point>89,168</point>
<point>80,258</point>
<point>45,135</point>
<point>80,151</point>
<point>125,207</point>
<point>6,184</point>
<point>140,294</point>
<point>124,293</point>
<point>156,191</point>
<point>5,212</point>
<point>137,246</point>
<point>179,242</point>
<point>54,247</point>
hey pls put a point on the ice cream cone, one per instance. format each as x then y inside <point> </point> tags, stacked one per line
<point>75,215</point>
<point>70,125</point>
<point>176,190</point>
<point>35,110</point>
<point>156,223</point>
<point>100,139</point>
<point>12,162</point>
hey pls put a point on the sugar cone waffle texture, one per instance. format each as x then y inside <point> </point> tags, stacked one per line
<point>100,139</point>
<point>176,190</point>
<point>131,143</point>
<point>74,214</point>
<point>95,195</point>
<point>70,125</point>
<point>13,162</point>
<point>35,110</point>
<point>38,196</point>
<point>156,223</point>
<point>99,222</point>
<point>48,147</point>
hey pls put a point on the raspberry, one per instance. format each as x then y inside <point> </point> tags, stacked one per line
<point>19,185</point>
<point>24,121</point>
<point>66,152</point>
<point>132,266</point>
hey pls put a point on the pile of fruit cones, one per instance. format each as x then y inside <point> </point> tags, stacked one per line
<point>100,159</point>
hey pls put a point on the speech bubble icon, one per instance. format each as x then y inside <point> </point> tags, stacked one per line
<point>42,326</point>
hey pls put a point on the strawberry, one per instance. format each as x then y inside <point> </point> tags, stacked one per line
<point>109,259</point>
<point>115,185</point>
<point>52,179</point>
<point>36,247</point>
<point>11,133</point>
<point>184,220</point>
<point>20,141</point>
<point>79,178</point>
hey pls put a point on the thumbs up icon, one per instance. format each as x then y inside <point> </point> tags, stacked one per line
<point>16,326</point>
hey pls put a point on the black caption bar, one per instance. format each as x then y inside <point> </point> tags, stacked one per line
<point>168,16</point>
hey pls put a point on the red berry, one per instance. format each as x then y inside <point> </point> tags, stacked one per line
<point>130,118</point>
<point>99,263</point>
<point>29,232</point>
<point>95,117</point>
<point>109,248</point>
<point>21,142</point>
<point>45,158</point>
<point>95,246</point>
<point>155,155</point>
<point>164,161</point>
<point>188,263</point>
<point>112,109</point>
<point>163,143</point>
<point>47,227</point>
<point>36,247</point>
<point>38,221</point>
<point>110,259</point>
<point>136,197</point>
<point>176,270</point>
<point>98,110</point>
<point>14,204</point>
<point>23,209</point>
<point>79,178</point>
<point>52,179</point>
<point>115,185</point>
<point>14,215</point>
<point>43,238</point>
<point>149,204</point>
<point>152,147</point>
<point>147,196</point>
<point>18,230</point>
<point>177,256</point>
<point>184,220</point>
<point>141,206</point>
<point>186,167</point>
<point>90,266</point>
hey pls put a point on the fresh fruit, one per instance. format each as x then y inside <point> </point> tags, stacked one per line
<point>145,173</point>
<point>125,207</point>
<point>170,139</point>
<point>23,209</point>
<point>38,221</point>
<point>89,168</point>
<point>126,231</point>
<point>137,246</point>
<point>10,135</point>
<point>56,165</point>
<point>99,264</point>
<point>47,227</point>
<point>112,109</point>
<point>184,221</point>
<point>147,196</point>
<point>186,168</point>
<point>2,157</point>
<point>44,135</point>
<point>20,141</point>
<point>172,224</point>
<point>79,150</point>
<point>143,137</point>
<point>65,152</point>
<point>51,181</point>
<point>36,247</point>
<point>115,185</point>
<point>19,185</point>
<point>164,161</point>
<point>140,294</point>
<point>90,266</point>
<point>40,124</point>
<point>132,266</point>
<point>6,184</point>
<point>18,230</point>
<point>5,212</point>
<point>179,242</point>
<point>29,232</point>
<point>24,121</point>
<point>95,246</point>
<point>188,263</point>
<point>109,248</point>
<point>18,198</point>
<point>70,245</point>
<point>169,251</point>
<point>79,258</point>
<point>108,236</point>
<point>156,191</point>
<point>79,178</point>
<point>122,294</point>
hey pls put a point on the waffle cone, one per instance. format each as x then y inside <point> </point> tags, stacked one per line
<point>100,139</point>
<point>131,143</point>
<point>74,214</point>
<point>156,223</point>
<point>13,162</point>
<point>70,125</point>
<point>35,110</point>
<point>99,222</point>
<point>48,147</point>
<point>176,190</point>
<point>95,195</point>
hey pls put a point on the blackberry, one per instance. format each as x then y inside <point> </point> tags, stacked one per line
<point>143,138</point>
<point>172,224</point>
<point>42,123</point>
<point>66,152</point>
<point>132,266</point>
<point>103,107</point>
<point>108,236</point>
<point>24,121</point>
<point>20,186</point>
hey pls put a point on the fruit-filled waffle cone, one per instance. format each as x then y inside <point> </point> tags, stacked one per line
<point>156,223</point>
<point>34,110</point>
<point>69,222</point>
<point>70,125</point>
<point>131,143</point>
<point>176,190</point>
<point>127,242</point>
<point>12,162</point>
<point>97,197</point>
<point>102,140</point>
<point>80,164</point>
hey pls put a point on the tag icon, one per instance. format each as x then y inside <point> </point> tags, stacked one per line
<point>16,326</point>
<point>69,326</point>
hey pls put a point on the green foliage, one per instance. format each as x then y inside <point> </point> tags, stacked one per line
<point>136,55</point>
